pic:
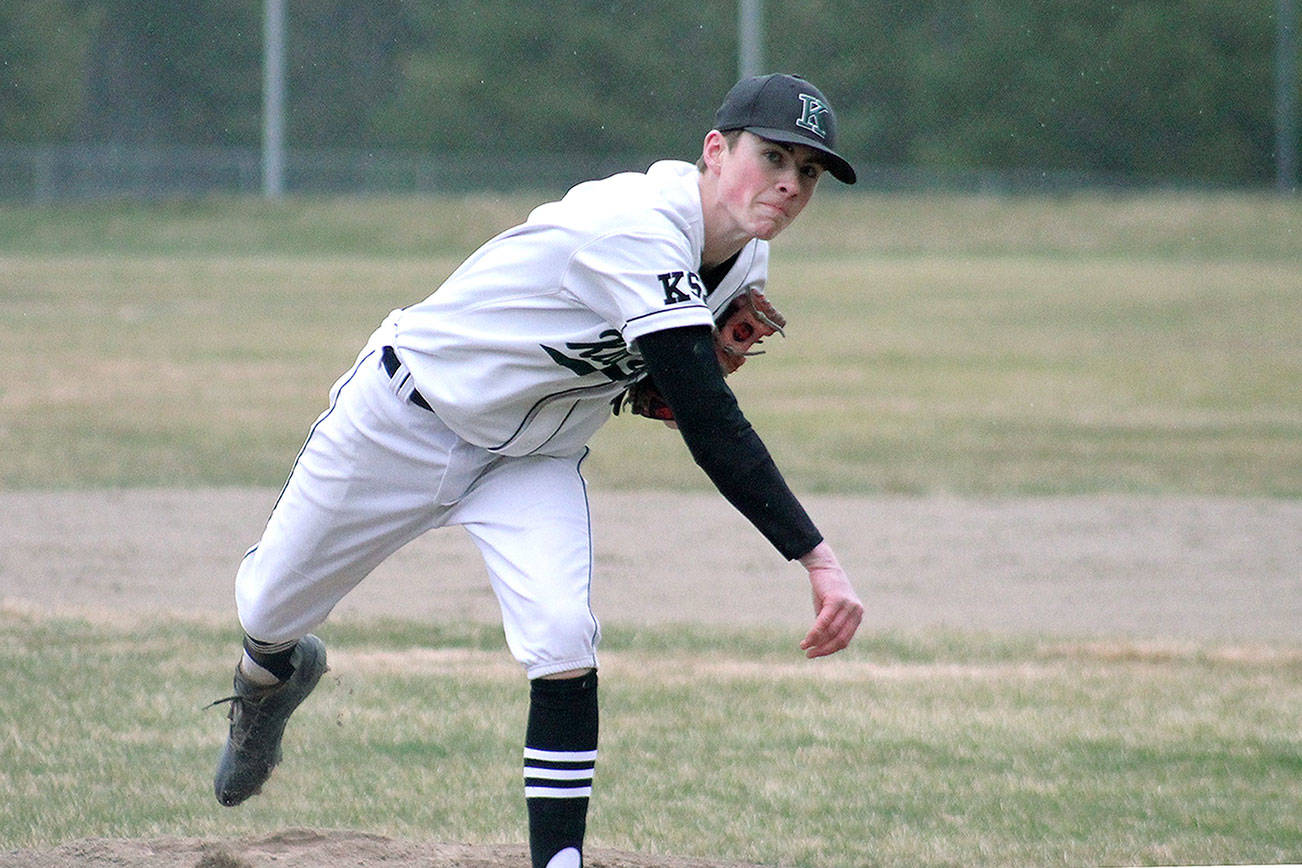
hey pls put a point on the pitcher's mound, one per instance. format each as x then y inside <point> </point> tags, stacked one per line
<point>311,848</point>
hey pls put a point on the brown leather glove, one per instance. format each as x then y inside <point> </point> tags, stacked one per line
<point>746,321</point>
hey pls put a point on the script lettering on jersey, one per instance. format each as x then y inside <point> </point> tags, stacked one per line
<point>671,282</point>
<point>608,356</point>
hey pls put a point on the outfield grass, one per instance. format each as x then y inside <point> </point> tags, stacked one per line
<point>940,750</point>
<point>969,345</point>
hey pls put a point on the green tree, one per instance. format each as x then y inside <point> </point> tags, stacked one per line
<point>1145,88</point>
<point>184,73</point>
<point>1150,87</point>
<point>615,77</point>
<point>344,67</point>
<point>43,50</point>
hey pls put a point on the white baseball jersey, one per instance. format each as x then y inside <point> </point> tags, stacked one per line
<point>523,348</point>
<point>519,353</point>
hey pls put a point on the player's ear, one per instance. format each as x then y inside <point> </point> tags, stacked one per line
<point>712,149</point>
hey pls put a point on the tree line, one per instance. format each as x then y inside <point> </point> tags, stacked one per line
<point>1154,89</point>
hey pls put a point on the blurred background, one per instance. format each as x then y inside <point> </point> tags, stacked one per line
<point>158,98</point>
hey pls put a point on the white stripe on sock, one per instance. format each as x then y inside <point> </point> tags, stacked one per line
<point>558,774</point>
<point>557,792</point>
<point>561,756</point>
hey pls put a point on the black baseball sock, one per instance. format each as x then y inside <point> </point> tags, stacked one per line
<point>273,657</point>
<point>560,753</point>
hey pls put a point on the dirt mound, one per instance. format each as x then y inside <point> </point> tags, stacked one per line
<point>312,848</point>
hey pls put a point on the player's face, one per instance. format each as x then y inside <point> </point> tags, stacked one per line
<point>764,185</point>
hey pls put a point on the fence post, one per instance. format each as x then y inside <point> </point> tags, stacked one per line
<point>750,38</point>
<point>1286,87</point>
<point>273,99</point>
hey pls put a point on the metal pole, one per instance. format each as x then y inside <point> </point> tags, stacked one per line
<point>273,99</point>
<point>1286,87</point>
<point>750,38</point>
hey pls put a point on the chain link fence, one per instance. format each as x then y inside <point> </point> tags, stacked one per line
<point>72,172</point>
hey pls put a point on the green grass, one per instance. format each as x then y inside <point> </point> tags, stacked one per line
<point>910,750</point>
<point>972,345</point>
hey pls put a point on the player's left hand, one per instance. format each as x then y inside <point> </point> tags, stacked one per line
<point>837,609</point>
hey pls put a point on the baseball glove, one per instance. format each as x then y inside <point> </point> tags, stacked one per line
<point>746,321</point>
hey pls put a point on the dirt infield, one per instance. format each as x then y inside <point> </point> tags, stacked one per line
<point>1160,569</point>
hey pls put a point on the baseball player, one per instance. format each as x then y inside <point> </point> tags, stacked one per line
<point>474,408</point>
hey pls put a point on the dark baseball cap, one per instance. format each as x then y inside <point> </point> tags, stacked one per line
<point>788,109</point>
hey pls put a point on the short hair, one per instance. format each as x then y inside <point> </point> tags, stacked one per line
<point>730,137</point>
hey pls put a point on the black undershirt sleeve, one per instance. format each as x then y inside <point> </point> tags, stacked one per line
<point>682,364</point>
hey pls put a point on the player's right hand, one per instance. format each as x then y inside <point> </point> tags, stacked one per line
<point>838,610</point>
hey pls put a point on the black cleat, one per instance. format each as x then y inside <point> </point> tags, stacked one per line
<point>258,716</point>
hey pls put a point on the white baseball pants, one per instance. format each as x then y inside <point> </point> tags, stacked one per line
<point>376,472</point>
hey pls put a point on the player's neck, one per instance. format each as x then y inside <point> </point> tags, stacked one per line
<point>721,254</point>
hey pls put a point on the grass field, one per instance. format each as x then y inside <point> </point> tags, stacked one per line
<point>975,346</point>
<point>944,750</point>
<point>972,345</point>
